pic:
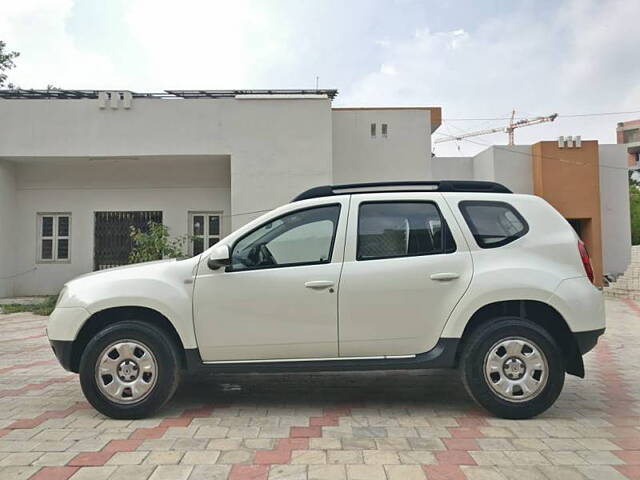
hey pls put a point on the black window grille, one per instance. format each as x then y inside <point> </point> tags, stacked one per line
<point>112,240</point>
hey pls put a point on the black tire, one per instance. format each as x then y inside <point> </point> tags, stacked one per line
<point>472,361</point>
<point>166,358</point>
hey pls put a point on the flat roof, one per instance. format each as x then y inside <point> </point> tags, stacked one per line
<point>62,94</point>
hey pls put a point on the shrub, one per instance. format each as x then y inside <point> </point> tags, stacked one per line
<point>154,243</point>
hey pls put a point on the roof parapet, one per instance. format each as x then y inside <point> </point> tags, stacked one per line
<point>25,94</point>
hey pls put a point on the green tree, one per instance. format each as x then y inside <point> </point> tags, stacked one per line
<point>634,207</point>
<point>155,244</point>
<point>6,63</point>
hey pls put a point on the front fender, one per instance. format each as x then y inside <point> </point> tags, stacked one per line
<point>164,287</point>
<point>173,304</point>
<point>65,323</point>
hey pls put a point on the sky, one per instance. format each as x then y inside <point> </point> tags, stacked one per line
<point>476,60</point>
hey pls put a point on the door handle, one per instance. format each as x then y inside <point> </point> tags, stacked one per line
<point>444,276</point>
<point>319,284</point>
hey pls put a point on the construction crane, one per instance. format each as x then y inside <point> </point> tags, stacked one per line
<point>525,122</point>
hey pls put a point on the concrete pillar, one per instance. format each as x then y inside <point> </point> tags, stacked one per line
<point>7,227</point>
<point>569,179</point>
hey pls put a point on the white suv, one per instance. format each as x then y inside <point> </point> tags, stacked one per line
<point>399,275</point>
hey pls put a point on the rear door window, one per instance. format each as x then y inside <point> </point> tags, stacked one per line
<point>493,224</point>
<point>401,229</point>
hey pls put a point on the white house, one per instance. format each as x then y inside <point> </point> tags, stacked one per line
<point>78,167</point>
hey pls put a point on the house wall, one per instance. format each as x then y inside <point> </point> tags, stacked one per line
<point>483,166</point>
<point>405,154</point>
<point>452,168</point>
<point>173,184</point>
<point>7,219</point>
<point>279,146</point>
<point>513,167</point>
<point>614,205</point>
<point>509,165</point>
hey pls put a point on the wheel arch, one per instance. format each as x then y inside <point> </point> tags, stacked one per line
<point>535,311</point>
<point>99,320</point>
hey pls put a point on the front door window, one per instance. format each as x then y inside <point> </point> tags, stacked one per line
<point>304,237</point>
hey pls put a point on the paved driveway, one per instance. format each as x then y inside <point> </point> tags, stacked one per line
<point>393,425</point>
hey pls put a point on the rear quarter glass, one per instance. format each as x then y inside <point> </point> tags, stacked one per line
<point>493,223</point>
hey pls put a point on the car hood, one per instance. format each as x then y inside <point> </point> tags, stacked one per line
<point>138,284</point>
<point>117,270</point>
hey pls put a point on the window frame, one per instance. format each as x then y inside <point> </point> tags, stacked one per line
<point>445,229</point>
<point>55,237</point>
<point>329,259</point>
<point>472,228</point>
<point>206,234</point>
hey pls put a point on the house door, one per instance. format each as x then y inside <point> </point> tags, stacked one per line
<point>112,241</point>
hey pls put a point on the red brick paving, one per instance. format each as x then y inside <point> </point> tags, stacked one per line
<point>632,472</point>
<point>630,457</point>
<point>91,459</point>
<point>465,432</point>
<point>54,473</point>
<point>444,472</point>
<point>454,457</point>
<point>249,472</point>
<point>629,443</point>
<point>460,444</point>
<point>148,433</point>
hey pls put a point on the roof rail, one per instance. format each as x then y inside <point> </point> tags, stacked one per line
<point>404,186</point>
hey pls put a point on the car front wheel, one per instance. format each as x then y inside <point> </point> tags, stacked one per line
<point>129,370</point>
<point>513,368</point>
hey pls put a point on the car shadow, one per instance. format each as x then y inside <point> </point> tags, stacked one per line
<point>429,389</point>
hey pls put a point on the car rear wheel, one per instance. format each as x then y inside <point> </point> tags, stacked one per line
<point>129,370</point>
<point>513,368</point>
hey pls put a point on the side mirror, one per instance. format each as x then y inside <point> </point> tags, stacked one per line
<point>220,257</point>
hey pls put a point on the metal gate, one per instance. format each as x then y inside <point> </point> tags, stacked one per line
<point>112,242</point>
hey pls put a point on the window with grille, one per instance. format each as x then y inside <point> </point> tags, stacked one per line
<point>54,237</point>
<point>112,242</point>
<point>204,228</point>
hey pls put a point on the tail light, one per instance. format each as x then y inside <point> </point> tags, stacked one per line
<point>586,261</point>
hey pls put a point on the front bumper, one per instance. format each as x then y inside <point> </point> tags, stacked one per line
<point>63,352</point>
<point>65,322</point>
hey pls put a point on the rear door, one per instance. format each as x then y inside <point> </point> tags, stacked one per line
<point>406,266</point>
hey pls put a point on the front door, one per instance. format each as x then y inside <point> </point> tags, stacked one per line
<point>406,266</point>
<point>278,299</point>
